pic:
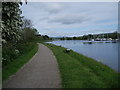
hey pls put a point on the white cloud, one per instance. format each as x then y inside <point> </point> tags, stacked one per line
<point>58,16</point>
<point>68,19</point>
<point>52,7</point>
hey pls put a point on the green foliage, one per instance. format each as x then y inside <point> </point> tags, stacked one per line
<point>10,53</point>
<point>114,35</point>
<point>79,71</point>
<point>11,21</point>
<point>18,38</point>
<point>62,38</point>
<point>28,34</point>
<point>45,37</point>
<point>27,23</point>
<point>17,32</point>
<point>27,51</point>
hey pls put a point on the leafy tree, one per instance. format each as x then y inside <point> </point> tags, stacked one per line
<point>28,34</point>
<point>27,23</point>
<point>45,37</point>
<point>11,21</point>
<point>74,38</point>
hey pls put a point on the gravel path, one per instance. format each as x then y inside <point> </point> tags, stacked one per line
<point>40,72</point>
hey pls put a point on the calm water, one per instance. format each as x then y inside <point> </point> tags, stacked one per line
<point>107,53</point>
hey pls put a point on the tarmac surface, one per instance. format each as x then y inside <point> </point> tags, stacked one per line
<point>40,72</point>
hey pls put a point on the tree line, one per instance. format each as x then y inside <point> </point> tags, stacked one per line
<point>113,36</point>
<point>18,33</point>
<point>16,28</point>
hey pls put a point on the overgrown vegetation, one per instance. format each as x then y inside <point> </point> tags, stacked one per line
<point>17,32</point>
<point>18,61</point>
<point>11,21</point>
<point>11,53</point>
<point>19,38</point>
<point>79,71</point>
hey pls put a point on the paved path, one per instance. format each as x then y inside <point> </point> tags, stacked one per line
<point>40,72</point>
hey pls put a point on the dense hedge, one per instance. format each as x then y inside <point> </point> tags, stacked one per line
<point>10,53</point>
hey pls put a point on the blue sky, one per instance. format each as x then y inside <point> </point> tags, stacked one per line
<point>72,18</point>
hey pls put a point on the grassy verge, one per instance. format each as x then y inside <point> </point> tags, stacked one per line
<point>16,64</point>
<point>79,71</point>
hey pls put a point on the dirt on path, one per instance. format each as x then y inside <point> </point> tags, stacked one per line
<point>40,72</point>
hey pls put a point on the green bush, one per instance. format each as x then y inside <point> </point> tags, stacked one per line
<point>12,67</point>
<point>10,53</point>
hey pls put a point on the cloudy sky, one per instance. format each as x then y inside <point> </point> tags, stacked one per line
<point>72,18</point>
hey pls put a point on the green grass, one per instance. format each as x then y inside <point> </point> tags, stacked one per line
<point>79,71</point>
<point>16,64</point>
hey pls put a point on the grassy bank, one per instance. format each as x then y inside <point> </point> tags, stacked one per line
<point>27,52</point>
<point>79,71</point>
